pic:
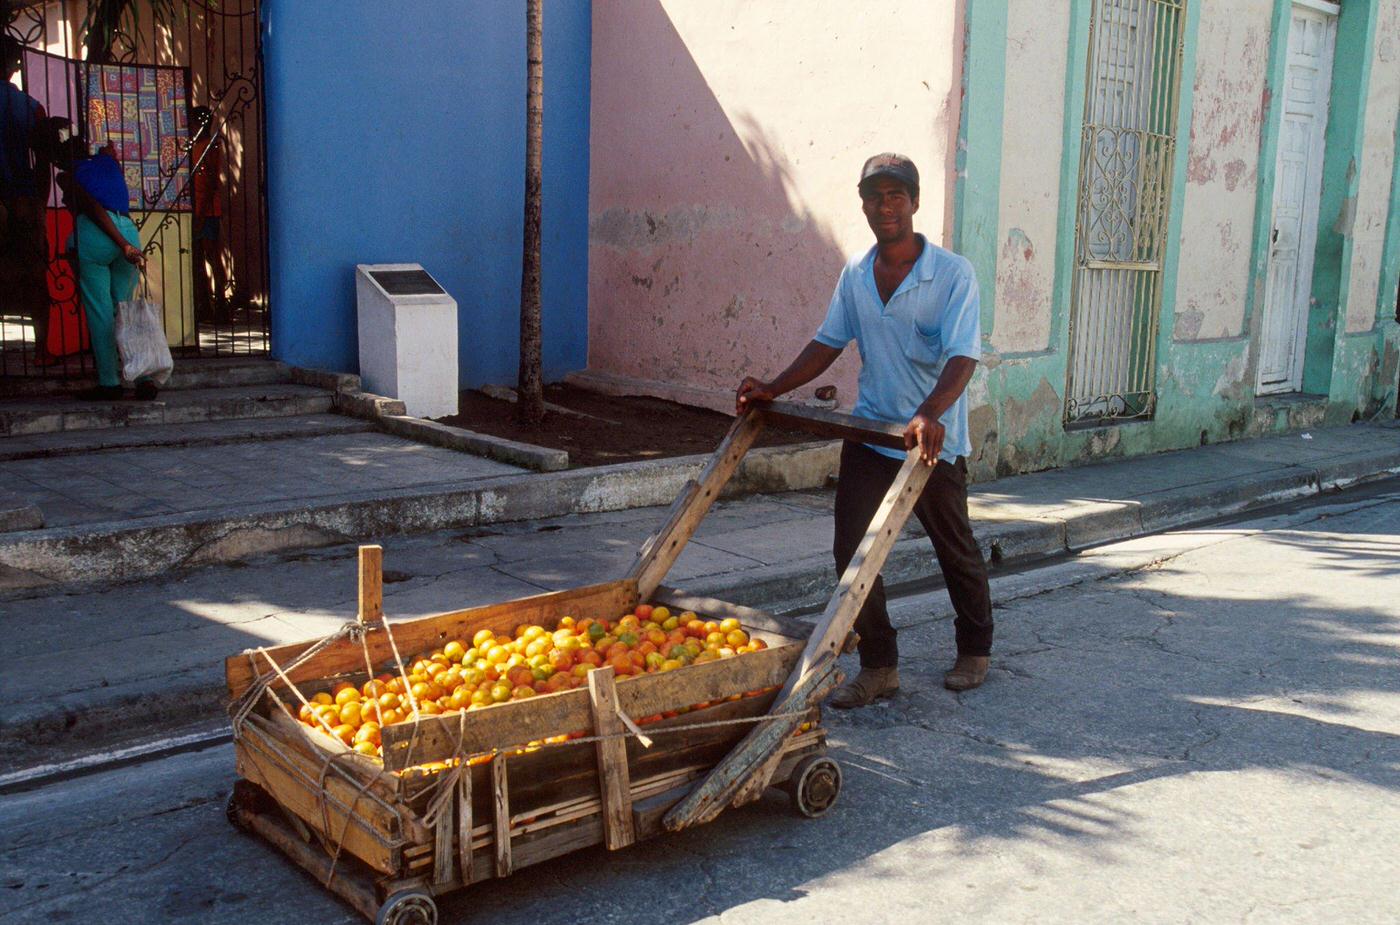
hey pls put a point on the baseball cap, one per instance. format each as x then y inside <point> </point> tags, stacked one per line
<point>895,166</point>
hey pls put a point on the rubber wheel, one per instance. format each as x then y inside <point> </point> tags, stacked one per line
<point>815,785</point>
<point>409,907</point>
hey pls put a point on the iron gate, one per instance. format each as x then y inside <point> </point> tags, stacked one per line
<point>173,88</point>
<point>1125,172</point>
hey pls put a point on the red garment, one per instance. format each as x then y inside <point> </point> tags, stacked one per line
<point>208,179</point>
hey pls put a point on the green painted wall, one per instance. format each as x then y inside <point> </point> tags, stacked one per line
<point>1204,388</point>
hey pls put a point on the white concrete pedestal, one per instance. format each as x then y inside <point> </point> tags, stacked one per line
<point>408,337</point>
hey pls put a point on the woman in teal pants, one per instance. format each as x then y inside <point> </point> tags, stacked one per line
<point>109,264</point>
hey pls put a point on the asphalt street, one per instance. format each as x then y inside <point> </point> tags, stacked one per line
<point>1200,726</point>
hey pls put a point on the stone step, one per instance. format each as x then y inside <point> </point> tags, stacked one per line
<point>28,416</point>
<point>203,373</point>
<point>203,433</point>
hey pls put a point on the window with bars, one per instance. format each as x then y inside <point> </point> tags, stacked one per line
<point>1125,170</point>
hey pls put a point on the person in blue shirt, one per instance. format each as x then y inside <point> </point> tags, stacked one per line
<point>110,259</point>
<point>912,309</point>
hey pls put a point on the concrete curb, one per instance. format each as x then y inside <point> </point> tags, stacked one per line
<point>809,582</point>
<point>325,379</point>
<point>140,548</point>
<point>200,433</point>
<point>366,405</point>
<point>500,449</point>
<point>18,514</point>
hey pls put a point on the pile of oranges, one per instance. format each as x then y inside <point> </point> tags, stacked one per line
<point>491,669</point>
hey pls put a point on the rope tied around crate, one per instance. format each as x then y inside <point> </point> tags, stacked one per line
<point>443,788</point>
<point>355,630</point>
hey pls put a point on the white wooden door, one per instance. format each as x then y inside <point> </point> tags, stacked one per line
<point>1297,191</point>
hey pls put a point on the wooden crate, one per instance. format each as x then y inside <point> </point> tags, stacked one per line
<point>389,837</point>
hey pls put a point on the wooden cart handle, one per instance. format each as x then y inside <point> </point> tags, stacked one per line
<point>823,423</point>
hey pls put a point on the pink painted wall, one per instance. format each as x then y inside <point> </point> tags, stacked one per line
<point>726,142</point>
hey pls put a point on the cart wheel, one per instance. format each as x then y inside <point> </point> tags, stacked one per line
<point>815,784</point>
<point>409,907</point>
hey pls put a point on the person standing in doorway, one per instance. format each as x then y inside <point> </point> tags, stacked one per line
<point>24,192</point>
<point>912,308</point>
<point>207,173</point>
<point>110,259</point>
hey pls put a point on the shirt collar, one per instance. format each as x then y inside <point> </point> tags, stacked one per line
<point>923,269</point>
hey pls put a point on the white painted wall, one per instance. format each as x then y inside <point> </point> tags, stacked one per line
<point>1037,53</point>
<point>1217,224</point>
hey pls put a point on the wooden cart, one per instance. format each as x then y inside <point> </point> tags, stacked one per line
<point>388,842</point>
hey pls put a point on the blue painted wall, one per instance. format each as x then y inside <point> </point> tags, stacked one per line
<point>396,133</point>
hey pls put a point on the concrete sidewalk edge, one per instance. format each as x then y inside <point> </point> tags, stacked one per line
<point>191,698</point>
<point>45,559</point>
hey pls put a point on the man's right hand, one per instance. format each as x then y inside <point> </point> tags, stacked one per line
<point>752,390</point>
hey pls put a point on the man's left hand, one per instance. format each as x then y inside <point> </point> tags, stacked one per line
<point>925,432</point>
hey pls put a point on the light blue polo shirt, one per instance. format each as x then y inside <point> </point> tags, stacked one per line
<point>933,315</point>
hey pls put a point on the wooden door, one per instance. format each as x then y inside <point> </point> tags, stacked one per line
<point>1297,192</point>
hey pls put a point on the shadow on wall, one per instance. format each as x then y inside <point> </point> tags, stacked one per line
<point>704,262</point>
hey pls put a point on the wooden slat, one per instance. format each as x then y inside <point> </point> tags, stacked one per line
<point>464,825</point>
<point>810,679</point>
<point>289,786</point>
<point>660,553</point>
<point>615,783</point>
<point>434,738</point>
<point>500,791</point>
<point>716,791</point>
<point>371,584</point>
<point>444,860</point>
<point>426,633</point>
<point>647,813</point>
<point>712,608</point>
<point>822,423</point>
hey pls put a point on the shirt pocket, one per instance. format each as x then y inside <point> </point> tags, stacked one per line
<point>923,349</point>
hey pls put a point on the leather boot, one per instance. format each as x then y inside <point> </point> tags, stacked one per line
<point>870,685</point>
<point>968,671</point>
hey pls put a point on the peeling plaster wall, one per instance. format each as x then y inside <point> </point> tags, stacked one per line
<point>1222,169</point>
<point>1037,53</point>
<point>1373,184</point>
<point>726,140</point>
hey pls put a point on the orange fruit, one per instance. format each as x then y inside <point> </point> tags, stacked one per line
<point>345,733</point>
<point>737,638</point>
<point>373,688</point>
<point>323,697</point>
<point>350,713</point>
<point>521,692</point>
<point>455,650</point>
<point>729,625</point>
<point>367,748</point>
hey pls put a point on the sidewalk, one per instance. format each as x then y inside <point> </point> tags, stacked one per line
<point>147,657</point>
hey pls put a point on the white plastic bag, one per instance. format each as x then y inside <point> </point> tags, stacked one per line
<point>141,341</point>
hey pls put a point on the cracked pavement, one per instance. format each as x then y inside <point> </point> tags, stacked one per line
<point>1201,726</point>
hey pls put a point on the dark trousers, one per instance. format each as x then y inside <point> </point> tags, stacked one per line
<point>942,508</point>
